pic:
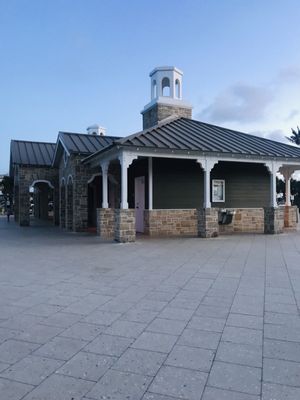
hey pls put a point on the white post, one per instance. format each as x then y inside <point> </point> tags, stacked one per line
<point>207,202</point>
<point>125,160</point>
<point>287,190</point>
<point>150,183</point>
<point>104,167</point>
<point>273,167</point>
<point>207,165</point>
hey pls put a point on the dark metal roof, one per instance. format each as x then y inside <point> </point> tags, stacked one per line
<point>32,153</point>
<point>185,134</point>
<point>84,143</point>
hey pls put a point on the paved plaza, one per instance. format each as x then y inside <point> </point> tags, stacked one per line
<point>209,319</point>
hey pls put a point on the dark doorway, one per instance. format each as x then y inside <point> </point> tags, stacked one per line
<point>94,200</point>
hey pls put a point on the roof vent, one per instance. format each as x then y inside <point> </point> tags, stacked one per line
<point>96,130</point>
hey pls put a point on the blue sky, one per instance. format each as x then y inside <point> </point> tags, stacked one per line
<point>66,64</point>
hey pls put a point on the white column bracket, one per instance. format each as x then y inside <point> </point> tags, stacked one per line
<point>207,165</point>
<point>126,159</point>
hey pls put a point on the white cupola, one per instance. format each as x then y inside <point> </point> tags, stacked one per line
<point>166,97</point>
<point>96,130</point>
<point>166,82</point>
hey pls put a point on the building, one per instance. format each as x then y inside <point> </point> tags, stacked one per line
<point>178,176</point>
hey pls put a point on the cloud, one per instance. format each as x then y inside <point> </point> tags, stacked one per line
<point>239,103</point>
<point>294,113</point>
<point>288,75</point>
<point>277,134</point>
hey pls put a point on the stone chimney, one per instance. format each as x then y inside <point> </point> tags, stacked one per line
<point>166,97</point>
<point>96,130</point>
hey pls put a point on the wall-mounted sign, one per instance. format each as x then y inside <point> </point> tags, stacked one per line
<point>218,190</point>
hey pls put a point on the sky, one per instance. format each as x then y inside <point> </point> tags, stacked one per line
<point>67,64</point>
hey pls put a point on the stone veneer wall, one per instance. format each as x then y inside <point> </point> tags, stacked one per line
<point>247,220</point>
<point>290,217</point>
<point>124,225</point>
<point>274,220</point>
<point>158,112</point>
<point>208,222</point>
<point>106,223</point>
<point>171,222</point>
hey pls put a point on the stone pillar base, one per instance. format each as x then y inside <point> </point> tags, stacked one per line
<point>208,226</point>
<point>290,217</point>
<point>106,223</point>
<point>125,225</point>
<point>274,220</point>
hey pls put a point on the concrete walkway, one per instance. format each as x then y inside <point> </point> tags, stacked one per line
<point>174,319</point>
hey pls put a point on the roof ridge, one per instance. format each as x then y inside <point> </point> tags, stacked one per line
<point>164,122</point>
<point>85,134</point>
<point>31,141</point>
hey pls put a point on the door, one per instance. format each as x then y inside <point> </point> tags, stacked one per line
<point>139,198</point>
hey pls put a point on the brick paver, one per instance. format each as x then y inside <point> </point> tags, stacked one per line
<point>189,319</point>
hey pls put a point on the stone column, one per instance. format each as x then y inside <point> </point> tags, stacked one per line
<point>125,225</point>
<point>56,204</point>
<point>274,220</point>
<point>208,222</point>
<point>106,223</point>
<point>63,206</point>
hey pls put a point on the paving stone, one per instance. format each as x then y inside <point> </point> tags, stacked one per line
<point>39,333</point>
<point>162,325</point>
<point>3,366</point>
<point>60,348</point>
<point>83,331</point>
<point>11,390</point>
<point>191,358</point>
<point>153,396</point>
<point>138,315</point>
<point>108,345</point>
<point>212,311</point>
<point>43,310</point>
<point>31,369</point>
<point>271,391</point>
<point>281,372</point>
<point>88,366</point>
<point>281,319</point>
<point>100,317</point>
<point>117,385</point>
<point>12,350</point>
<point>152,341</point>
<point>61,319</point>
<point>6,333</point>
<point>60,387</point>
<point>126,328</point>
<point>283,350</point>
<point>207,324</point>
<point>221,394</point>
<point>281,308</point>
<point>179,382</point>
<point>282,332</point>
<point>197,338</point>
<point>245,354</point>
<point>235,377</point>
<point>140,362</point>
<point>180,314</point>
<point>242,335</point>
<point>245,321</point>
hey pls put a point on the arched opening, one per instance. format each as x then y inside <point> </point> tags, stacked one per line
<point>177,89</point>
<point>165,87</point>
<point>62,204</point>
<point>69,203</point>
<point>41,200</point>
<point>94,199</point>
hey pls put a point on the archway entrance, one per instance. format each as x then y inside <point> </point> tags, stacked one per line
<point>41,200</point>
<point>94,199</point>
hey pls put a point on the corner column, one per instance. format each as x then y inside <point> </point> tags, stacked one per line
<point>273,215</point>
<point>105,215</point>
<point>124,217</point>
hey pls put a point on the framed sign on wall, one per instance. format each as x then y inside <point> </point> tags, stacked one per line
<point>218,190</point>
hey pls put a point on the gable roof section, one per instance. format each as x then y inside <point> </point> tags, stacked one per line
<point>183,134</point>
<point>80,143</point>
<point>32,153</point>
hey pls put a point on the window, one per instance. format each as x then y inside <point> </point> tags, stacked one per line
<point>218,190</point>
<point>177,88</point>
<point>154,93</point>
<point>65,158</point>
